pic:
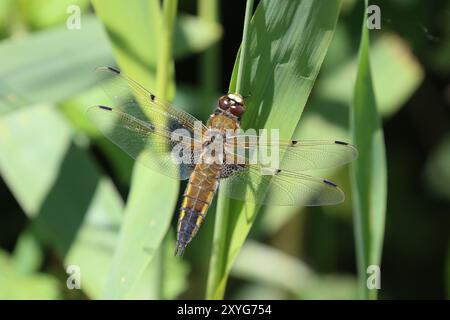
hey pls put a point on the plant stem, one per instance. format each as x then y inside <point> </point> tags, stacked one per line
<point>209,11</point>
<point>216,282</point>
<point>359,219</point>
<point>163,78</point>
<point>244,46</point>
<point>165,58</point>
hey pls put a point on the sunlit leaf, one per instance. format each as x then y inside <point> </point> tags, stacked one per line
<point>40,14</point>
<point>398,75</point>
<point>17,285</point>
<point>20,155</point>
<point>369,174</point>
<point>28,254</point>
<point>73,208</point>
<point>51,75</point>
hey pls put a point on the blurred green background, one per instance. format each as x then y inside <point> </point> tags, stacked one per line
<point>63,187</point>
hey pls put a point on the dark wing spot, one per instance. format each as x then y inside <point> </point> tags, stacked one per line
<point>294,142</point>
<point>152,96</point>
<point>341,142</point>
<point>330,183</point>
<point>114,70</point>
<point>105,108</point>
<point>279,170</point>
<point>151,127</point>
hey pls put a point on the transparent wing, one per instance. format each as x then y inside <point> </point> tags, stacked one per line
<point>253,183</point>
<point>149,144</point>
<point>293,155</point>
<point>132,98</point>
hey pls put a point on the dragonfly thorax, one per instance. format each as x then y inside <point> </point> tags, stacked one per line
<point>222,121</point>
<point>215,145</point>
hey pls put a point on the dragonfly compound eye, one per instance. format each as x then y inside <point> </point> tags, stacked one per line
<point>224,103</point>
<point>237,109</point>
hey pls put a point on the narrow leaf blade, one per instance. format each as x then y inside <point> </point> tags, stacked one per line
<point>369,174</point>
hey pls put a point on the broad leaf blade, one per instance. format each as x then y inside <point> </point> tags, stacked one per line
<point>51,75</point>
<point>67,199</point>
<point>16,285</point>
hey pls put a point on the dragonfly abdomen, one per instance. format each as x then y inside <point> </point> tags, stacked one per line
<point>199,193</point>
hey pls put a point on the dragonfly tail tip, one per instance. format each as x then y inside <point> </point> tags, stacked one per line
<point>179,250</point>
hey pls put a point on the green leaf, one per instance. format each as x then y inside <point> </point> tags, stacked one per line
<point>93,247</point>
<point>40,14</point>
<point>174,280</point>
<point>134,29</point>
<point>51,75</point>
<point>28,254</point>
<point>288,42</point>
<point>96,244</point>
<point>187,39</point>
<point>398,75</point>
<point>20,155</point>
<point>176,270</point>
<point>208,10</point>
<point>289,274</point>
<point>437,171</point>
<point>256,291</point>
<point>447,275</point>
<point>22,286</point>
<point>67,69</point>
<point>331,287</point>
<point>75,111</point>
<point>284,272</point>
<point>147,218</point>
<point>73,207</point>
<point>6,12</point>
<point>152,197</point>
<point>369,176</point>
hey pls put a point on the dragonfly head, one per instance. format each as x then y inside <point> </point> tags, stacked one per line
<point>232,104</point>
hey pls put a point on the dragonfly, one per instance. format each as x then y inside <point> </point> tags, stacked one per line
<point>144,126</point>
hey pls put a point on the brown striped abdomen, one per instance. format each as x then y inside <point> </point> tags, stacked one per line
<point>199,193</point>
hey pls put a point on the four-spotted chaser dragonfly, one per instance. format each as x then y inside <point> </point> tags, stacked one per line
<point>143,126</point>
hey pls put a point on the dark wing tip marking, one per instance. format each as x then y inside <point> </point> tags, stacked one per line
<point>105,108</point>
<point>330,183</point>
<point>113,70</point>
<point>355,151</point>
<point>294,142</point>
<point>278,170</point>
<point>152,96</point>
